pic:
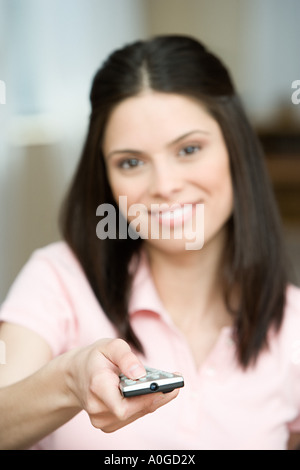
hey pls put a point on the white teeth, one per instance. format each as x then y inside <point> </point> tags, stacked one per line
<point>176,213</point>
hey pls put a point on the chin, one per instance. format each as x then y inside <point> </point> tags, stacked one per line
<point>175,246</point>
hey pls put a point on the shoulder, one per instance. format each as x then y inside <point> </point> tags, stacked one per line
<point>288,338</point>
<point>51,272</point>
<point>293,296</point>
<point>292,305</point>
<point>58,253</point>
<point>55,261</point>
<point>51,296</point>
<point>289,347</point>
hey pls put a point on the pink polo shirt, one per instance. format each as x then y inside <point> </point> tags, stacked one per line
<point>220,407</point>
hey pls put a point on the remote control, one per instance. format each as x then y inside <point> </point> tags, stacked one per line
<point>154,381</point>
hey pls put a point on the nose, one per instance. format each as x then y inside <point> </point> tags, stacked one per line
<point>166,181</point>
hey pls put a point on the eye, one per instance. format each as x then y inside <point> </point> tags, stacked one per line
<point>189,150</point>
<point>129,163</point>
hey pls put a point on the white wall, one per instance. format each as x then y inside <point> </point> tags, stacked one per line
<point>49,52</point>
<point>259,40</point>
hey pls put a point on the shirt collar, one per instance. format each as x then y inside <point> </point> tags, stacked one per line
<point>144,296</point>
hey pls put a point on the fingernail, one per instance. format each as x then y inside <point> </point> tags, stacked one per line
<point>137,371</point>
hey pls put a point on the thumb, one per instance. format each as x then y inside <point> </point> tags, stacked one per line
<point>119,353</point>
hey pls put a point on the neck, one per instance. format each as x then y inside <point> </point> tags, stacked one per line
<point>190,282</point>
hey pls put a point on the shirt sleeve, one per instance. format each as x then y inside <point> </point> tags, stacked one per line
<point>38,300</point>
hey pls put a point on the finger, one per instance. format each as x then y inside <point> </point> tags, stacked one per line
<point>138,407</point>
<point>105,390</point>
<point>119,353</point>
<point>151,402</point>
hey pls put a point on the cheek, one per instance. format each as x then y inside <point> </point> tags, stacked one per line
<point>118,185</point>
<point>221,182</point>
<point>130,192</point>
<point>214,174</point>
<point>216,180</point>
<point>222,197</point>
<point>224,179</point>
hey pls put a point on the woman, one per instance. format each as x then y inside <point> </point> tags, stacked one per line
<point>168,135</point>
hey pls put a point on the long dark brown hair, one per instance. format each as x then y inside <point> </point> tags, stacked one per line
<point>255,260</point>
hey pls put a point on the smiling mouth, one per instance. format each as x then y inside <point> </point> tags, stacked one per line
<point>174,214</point>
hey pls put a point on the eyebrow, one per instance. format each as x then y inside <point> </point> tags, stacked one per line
<point>173,142</point>
<point>196,131</point>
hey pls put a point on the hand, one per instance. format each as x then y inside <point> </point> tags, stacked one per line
<point>94,385</point>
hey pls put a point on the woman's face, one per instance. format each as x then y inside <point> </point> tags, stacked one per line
<point>167,156</point>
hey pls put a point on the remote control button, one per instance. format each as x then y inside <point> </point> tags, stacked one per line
<point>154,376</point>
<point>167,374</point>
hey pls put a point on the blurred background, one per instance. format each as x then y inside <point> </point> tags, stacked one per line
<point>49,52</point>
